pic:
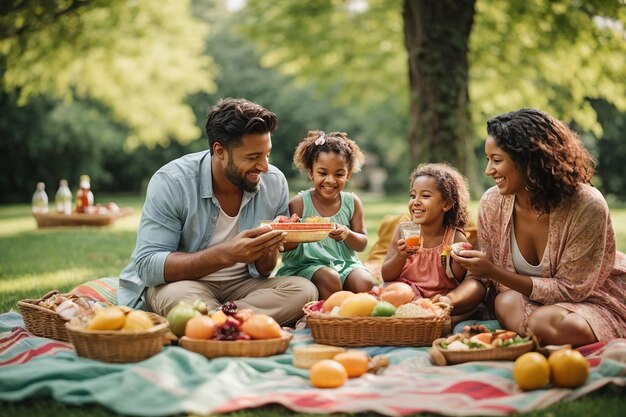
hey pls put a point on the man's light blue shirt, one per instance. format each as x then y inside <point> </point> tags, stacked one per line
<point>180,213</point>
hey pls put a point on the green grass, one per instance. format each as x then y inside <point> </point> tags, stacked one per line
<point>33,262</point>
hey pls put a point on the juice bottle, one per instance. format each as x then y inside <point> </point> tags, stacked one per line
<point>63,198</point>
<point>84,196</point>
<point>40,199</point>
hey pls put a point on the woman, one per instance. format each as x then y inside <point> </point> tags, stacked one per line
<point>546,236</point>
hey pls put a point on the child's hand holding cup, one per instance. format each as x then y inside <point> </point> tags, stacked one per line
<point>412,234</point>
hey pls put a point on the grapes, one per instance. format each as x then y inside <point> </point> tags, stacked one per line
<point>229,330</point>
<point>229,308</point>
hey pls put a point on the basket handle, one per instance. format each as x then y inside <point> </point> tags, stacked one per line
<point>435,354</point>
<point>48,295</point>
<point>447,308</point>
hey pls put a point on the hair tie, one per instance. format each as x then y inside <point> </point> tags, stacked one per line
<point>321,139</point>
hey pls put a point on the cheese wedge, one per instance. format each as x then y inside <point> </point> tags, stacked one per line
<point>305,356</point>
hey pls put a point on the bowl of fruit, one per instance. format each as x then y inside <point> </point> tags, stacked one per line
<point>228,331</point>
<point>117,334</point>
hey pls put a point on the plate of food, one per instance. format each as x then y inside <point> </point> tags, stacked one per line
<point>310,229</point>
<point>476,344</point>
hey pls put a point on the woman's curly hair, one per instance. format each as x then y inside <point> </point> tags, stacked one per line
<point>317,141</point>
<point>548,152</point>
<point>453,188</point>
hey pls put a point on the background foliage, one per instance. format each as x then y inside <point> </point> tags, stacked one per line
<point>115,89</point>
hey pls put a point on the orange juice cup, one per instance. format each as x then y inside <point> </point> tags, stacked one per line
<point>413,242</point>
<point>412,235</point>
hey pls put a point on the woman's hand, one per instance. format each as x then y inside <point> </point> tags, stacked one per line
<point>476,262</point>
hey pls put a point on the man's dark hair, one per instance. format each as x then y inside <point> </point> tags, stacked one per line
<point>232,118</point>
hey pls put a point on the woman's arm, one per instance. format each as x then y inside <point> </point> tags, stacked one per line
<point>457,269</point>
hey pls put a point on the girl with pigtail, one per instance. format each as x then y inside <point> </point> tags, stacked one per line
<point>332,264</point>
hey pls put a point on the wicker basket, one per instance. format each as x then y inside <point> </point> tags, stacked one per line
<point>117,346</point>
<point>249,348</point>
<point>451,357</point>
<point>42,321</point>
<point>376,331</point>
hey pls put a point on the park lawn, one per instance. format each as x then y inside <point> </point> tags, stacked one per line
<point>33,262</point>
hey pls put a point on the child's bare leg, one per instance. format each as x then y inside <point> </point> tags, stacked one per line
<point>359,280</point>
<point>554,325</point>
<point>466,297</point>
<point>327,281</point>
<point>509,306</point>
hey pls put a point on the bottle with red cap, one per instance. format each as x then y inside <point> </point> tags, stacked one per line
<point>84,196</point>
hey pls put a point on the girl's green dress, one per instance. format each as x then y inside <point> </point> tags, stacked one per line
<point>309,257</point>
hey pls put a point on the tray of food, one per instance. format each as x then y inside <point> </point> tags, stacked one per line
<point>478,343</point>
<point>310,229</point>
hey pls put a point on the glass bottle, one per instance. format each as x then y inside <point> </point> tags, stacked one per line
<point>40,199</point>
<point>84,196</point>
<point>63,198</point>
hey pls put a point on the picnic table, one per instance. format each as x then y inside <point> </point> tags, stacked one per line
<point>79,219</point>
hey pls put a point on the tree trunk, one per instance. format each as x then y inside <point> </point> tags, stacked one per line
<point>437,42</point>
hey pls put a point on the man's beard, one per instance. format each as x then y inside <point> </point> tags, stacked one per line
<point>238,180</point>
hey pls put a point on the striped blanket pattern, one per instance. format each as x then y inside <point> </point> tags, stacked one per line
<point>179,381</point>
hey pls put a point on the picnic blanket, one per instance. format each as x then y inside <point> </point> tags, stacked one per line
<point>180,381</point>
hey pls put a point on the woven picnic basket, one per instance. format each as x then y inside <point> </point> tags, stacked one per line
<point>117,346</point>
<point>453,357</point>
<point>248,348</point>
<point>42,321</point>
<point>376,331</point>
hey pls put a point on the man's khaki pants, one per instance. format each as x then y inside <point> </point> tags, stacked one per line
<point>279,297</point>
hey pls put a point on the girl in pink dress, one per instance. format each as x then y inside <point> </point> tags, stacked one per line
<point>549,246</point>
<point>438,203</point>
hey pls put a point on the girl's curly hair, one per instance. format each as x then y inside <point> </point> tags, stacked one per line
<point>548,152</point>
<point>317,141</point>
<point>453,188</point>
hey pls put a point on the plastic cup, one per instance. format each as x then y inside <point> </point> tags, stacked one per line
<point>412,235</point>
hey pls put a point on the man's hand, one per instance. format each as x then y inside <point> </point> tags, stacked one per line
<point>250,245</point>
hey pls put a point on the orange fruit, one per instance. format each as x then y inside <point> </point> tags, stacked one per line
<point>261,326</point>
<point>358,305</point>
<point>569,368</point>
<point>335,300</point>
<point>397,293</point>
<point>356,362</point>
<point>200,327</point>
<point>219,317</point>
<point>531,371</point>
<point>327,373</point>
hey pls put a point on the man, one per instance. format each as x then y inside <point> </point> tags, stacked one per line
<point>199,235</point>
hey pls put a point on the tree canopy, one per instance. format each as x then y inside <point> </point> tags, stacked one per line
<point>141,59</point>
<point>550,54</point>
